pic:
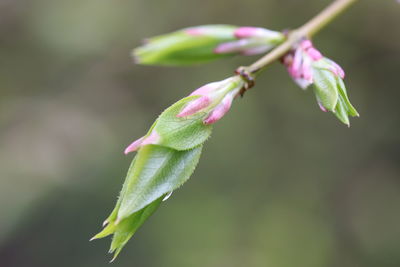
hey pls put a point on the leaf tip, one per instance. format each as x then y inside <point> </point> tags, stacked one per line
<point>93,238</point>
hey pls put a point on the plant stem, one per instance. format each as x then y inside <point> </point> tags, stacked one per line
<point>307,30</point>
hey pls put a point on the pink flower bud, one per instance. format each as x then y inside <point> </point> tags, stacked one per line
<point>314,54</point>
<point>295,67</point>
<point>254,32</point>
<point>301,61</point>
<point>306,70</point>
<point>215,99</point>
<point>221,109</point>
<point>231,47</point>
<point>153,138</point>
<point>308,48</point>
<point>195,106</point>
<point>299,67</point>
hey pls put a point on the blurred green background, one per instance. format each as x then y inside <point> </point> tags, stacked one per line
<point>280,183</point>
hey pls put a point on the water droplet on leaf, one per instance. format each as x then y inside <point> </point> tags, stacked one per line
<point>167,196</point>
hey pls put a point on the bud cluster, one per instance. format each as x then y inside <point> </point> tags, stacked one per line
<point>307,66</point>
<point>214,99</point>
<point>211,101</point>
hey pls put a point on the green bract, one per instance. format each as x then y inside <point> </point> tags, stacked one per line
<point>325,88</point>
<point>330,92</point>
<point>156,171</point>
<point>166,157</point>
<point>181,133</point>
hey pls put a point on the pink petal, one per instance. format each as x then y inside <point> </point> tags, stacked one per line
<point>206,89</point>
<point>220,110</point>
<point>134,146</point>
<point>314,53</point>
<point>231,47</point>
<point>306,69</point>
<point>338,70</point>
<point>153,138</point>
<point>306,44</point>
<point>194,106</point>
<point>297,64</point>
<point>308,47</point>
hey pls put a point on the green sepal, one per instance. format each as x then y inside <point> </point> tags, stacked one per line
<point>180,48</point>
<point>331,93</point>
<point>325,88</point>
<point>182,133</point>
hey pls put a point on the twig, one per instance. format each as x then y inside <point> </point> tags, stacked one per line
<point>307,30</point>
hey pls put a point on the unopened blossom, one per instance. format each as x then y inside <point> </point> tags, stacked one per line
<point>221,109</point>
<point>215,99</point>
<point>250,41</point>
<point>204,43</point>
<point>212,100</point>
<point>301,61</point>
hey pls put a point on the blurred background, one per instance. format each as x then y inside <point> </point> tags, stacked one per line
<point>279,184</point>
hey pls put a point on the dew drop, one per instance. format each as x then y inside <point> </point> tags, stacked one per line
<point>167,196</point>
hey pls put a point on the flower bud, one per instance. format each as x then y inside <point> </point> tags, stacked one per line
<point>251,41</point>
<point>214,100</point>
<point>306,65</point>
<point>221,109</point>
<point>195,106</point>
<point>205,43</point>
<point>206,93</point>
